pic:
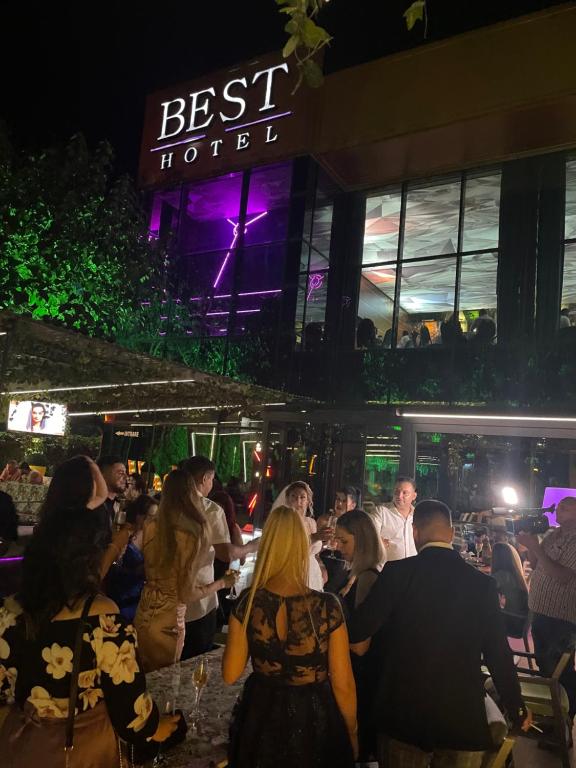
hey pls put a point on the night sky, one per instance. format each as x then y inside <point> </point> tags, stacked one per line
<point>88,67</point>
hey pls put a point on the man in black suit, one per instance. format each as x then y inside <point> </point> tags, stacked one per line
<point>438,619</point>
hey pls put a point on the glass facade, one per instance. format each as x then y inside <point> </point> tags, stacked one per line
<point>221,289</point>
<point>469,471</point>
<point>429,263</point>
<point>568,300</point>
<point>314,268</point>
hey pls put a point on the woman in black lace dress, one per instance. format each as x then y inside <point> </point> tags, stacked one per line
<point>298,708</point>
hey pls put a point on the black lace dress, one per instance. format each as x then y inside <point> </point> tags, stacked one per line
<point>286,716</point>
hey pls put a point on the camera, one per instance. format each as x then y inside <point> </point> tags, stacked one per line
<point>532,521</point>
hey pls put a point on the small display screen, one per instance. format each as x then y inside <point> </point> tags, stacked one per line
<point>37,417</point>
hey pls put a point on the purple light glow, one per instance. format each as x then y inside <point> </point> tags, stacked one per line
<point>316,280</point>
<point>233,243</point>
<point>255,122</point>
<point>11,559</point>
<point>178,143</point>
<point>555,496</point>
<point>239,312</point>
<point>229,295</point>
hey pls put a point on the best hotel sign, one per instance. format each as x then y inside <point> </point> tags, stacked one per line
<point>231,120</point>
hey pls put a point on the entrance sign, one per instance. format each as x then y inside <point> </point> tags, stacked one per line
<point>227,121</point>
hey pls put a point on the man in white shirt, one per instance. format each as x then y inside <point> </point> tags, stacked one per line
<point>201,615</point>
<point>394,521</point>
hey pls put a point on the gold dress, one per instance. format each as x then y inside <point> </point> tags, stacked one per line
<point>160,616</point>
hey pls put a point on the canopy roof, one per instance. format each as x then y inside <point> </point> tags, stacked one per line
<point>95,377</point>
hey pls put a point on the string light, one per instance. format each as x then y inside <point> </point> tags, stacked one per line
<point>101,386</point>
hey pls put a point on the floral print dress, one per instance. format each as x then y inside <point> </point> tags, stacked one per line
<point>35,676</point>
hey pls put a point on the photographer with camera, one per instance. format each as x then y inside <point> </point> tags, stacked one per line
<point>552,597</point>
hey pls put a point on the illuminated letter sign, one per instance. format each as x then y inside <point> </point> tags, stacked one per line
<point>269,75</point>
<point>213,123</point>
<point>232,99</point>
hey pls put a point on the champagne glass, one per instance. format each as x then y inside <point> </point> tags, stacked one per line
<point>200,674</point>
<point>330,544</point>
<point>234,566</point>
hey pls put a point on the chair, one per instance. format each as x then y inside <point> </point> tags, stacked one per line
<point>548,701</point>
<point>518,627</point>
<point>501,757</point>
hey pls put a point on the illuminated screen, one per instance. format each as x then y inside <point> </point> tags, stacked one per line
<point>555,496</point>
<point>37,417</point>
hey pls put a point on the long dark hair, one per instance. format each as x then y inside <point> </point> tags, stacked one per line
<point>61,563</point>
<point>71,487</point>
<point>8,518</point>
<point>139,507</point>
<point>506,558</point>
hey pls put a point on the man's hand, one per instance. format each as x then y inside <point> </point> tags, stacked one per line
<point>527,721</point>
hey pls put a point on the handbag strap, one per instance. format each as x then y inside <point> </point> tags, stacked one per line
<point>69,743</point>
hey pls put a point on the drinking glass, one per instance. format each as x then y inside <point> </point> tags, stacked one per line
<point>330,545</point>
<point>234,566</point>
<point>200,674</point>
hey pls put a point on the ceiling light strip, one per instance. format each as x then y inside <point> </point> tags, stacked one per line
<point>100,386</point>
<point>486,417</point>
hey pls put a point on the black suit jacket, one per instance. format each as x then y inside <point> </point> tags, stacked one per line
<point>438,618</point>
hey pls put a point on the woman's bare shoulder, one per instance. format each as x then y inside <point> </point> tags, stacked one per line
<point>103,604</point>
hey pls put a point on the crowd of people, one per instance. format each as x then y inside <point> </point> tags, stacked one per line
<point>366,630</point>
<point>22,473</point>
<point>416,333</point>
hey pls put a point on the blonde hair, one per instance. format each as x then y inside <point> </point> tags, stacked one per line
<point>284,551</point>
<point>180,507</point>
<point>300,485</point>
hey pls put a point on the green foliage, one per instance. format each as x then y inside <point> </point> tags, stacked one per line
<point>171,448</point>
<point>73,240</point>
<point>416,12</point>
<point>306,38</point>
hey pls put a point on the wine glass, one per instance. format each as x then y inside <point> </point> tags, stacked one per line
<point>330,545</point>
<point>234,566</point>
<point>200,674</point>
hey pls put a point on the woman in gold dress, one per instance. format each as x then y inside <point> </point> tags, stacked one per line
<point>174,546</point>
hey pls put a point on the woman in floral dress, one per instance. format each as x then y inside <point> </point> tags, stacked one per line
<point>38,631</point>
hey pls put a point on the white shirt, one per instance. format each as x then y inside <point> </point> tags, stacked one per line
<point>393,526</point>
<point>218,533</point>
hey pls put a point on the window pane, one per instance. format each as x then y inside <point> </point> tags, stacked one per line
<point>481,212</point>
<point>570,226</point>
<point>212,209</point>
<point>311,307</point>
<point>569,285</point>
<point>381,463</point>
<point>268,204</point>
<point>432,213</point>
<point>426,298</point>
<point>478,291</point>
<point>381,228</point>
<point>376,306</point>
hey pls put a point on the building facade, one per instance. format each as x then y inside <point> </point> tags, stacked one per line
<point>399,245</point>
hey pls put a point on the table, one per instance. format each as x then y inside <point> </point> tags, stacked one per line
<point>208,747</point>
